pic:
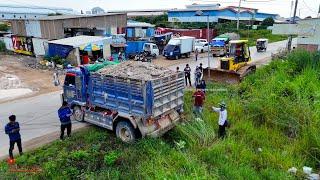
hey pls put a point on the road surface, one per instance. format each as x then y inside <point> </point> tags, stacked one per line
<point>38,115</point>
<point>261,58</point>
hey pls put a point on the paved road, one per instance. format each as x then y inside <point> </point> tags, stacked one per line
<point>260,58</point>
<point>38,115</point>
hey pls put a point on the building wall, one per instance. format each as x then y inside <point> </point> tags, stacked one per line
<point>33,28</point>
<point>54,29</point>
<point>214,15</point>
<point>309,47</point>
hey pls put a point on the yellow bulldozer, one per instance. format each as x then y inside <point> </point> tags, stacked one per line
<point>234,66</point>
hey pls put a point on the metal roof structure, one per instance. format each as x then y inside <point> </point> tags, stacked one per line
<point>21,9</point>
<point>62,17</point>
<point>78,41</point>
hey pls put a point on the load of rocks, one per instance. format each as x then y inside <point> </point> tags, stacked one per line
<point>136,70</point>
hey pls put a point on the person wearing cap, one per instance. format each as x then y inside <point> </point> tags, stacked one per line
<point>222,110</point>
<point>187,75</point>
<point>199,98</point>
<point>13,131</point>
<point>64,114</point>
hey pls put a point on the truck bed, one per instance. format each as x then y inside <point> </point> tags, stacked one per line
<point>136,97</point>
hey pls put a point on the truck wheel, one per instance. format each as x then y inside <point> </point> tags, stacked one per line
<point>177,57</point>
<point>125,132</point>
<point>201,50</point>
<point>78,114</point>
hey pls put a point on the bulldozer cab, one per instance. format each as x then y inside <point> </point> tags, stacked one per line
<point>239,51</point>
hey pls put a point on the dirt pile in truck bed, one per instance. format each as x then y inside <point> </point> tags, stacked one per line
<point>136,70</point>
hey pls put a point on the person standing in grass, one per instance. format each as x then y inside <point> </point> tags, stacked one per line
<point>199,98</point>
<point>13,131</point>
<point>223,123</point>
<point>64,115</point>
<point>187,75</point>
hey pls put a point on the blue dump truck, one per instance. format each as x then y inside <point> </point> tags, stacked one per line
<point>131,107</point>
<point>134,47</point>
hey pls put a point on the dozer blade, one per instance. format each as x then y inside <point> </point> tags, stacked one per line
<point>225,76</point>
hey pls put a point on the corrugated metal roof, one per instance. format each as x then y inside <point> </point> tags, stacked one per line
<point>78,41</point>
<point>132,23</point>
<point>74,16</point>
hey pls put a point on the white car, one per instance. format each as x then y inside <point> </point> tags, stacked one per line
<point>201,45</point>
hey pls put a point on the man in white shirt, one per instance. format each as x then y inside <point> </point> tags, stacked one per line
<point>222,118</point>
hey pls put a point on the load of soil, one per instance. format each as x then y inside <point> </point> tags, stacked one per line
<point>136,70</point>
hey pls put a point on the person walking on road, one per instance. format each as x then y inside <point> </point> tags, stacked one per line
<point>13,130</point>
<point>196,53</point>
<point>223,123</point>
<point>187,75</point>
<point>199,98</point>
<point>64,115</point>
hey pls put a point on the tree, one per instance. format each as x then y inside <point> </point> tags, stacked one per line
<point>268,22</point>
<point>4,27</point>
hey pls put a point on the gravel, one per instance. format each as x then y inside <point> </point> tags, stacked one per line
<point>136,70</point>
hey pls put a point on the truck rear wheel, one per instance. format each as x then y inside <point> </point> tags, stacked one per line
<point>125,131</point>
<point>78,114</point>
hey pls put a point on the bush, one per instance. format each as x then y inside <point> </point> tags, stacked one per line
<point>2,47</point>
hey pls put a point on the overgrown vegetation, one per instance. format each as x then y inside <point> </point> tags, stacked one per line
<point>253,35</point>
<point>2,47</point>
<point>4,27</point>
<point>275,122</point>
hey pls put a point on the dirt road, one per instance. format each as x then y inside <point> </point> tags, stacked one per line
<point>37,81</point>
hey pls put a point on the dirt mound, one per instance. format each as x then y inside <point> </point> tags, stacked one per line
<point>136,70</point>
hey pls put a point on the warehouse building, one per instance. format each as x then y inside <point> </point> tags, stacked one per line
<point>216,14</point>
<point>10,12</point>
<point>30,36</point>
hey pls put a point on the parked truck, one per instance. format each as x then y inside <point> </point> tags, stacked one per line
<point>131,107</point>
<point>178,47</point>
<point>137,47</point>
<point>219,45</point>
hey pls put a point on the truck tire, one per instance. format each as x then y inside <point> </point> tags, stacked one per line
<point>78,114</point>
<point>176,57</point>
<point>125,131</point>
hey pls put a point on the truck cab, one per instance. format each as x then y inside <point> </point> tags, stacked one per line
<point>152,49</point>
<point>219,46</point>
<point>130,107</point>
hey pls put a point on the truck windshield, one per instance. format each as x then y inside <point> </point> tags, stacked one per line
<point>169,47</point>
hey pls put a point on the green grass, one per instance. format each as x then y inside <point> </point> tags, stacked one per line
<point>275,109</point>
<point>261,33</point>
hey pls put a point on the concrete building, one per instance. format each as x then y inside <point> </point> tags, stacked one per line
<point>216,13</point>
<point>308,31</point>
<point>10,12</point>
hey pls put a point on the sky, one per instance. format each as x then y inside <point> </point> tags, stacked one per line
<point>281,7</point>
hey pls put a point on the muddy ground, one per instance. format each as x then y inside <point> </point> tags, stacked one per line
<point>22,67</point>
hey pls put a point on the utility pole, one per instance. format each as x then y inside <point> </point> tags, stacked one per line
<point>292,22</point>
<point>238,18</point>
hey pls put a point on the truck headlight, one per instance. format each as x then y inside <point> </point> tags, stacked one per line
<point>171,53</point>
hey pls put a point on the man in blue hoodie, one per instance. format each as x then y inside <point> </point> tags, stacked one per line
<point>13,131</point>
<point>64,115</point>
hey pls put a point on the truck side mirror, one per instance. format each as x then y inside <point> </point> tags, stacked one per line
<point>56,80</point>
